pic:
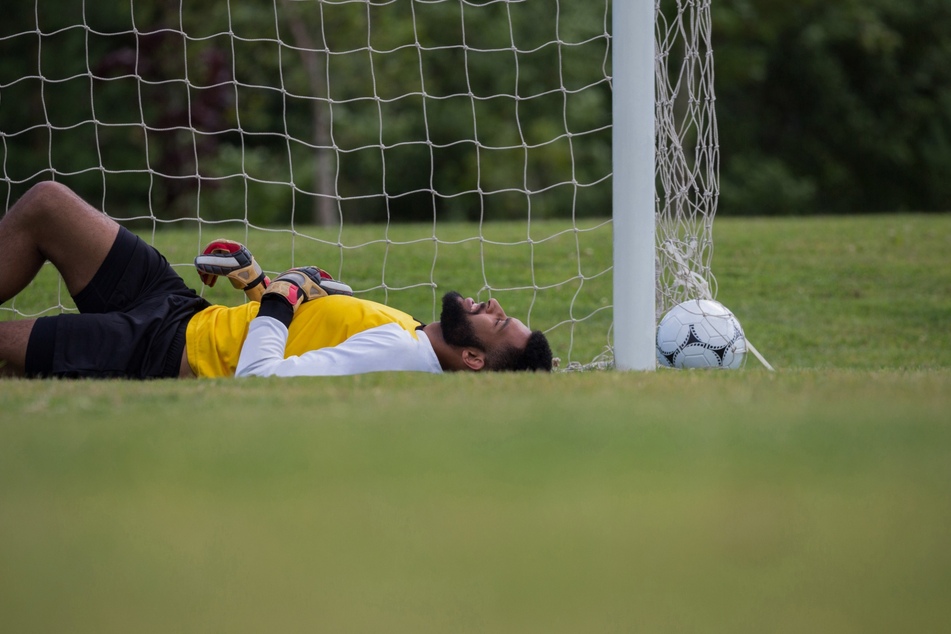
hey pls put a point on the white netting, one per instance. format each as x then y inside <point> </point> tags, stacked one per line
<point>688,153</point>
<point>388,141</point>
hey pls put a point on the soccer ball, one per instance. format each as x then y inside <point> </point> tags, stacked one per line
<point>700,333</point>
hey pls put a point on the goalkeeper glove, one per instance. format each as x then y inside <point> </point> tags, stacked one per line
<point>234,261</point>
<point>294,287</point>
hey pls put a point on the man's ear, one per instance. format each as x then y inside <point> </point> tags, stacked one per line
<point>473,358</point>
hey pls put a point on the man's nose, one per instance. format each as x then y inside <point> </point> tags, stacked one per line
<point>495,308</point>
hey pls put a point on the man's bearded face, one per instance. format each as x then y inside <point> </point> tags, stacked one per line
<point>457,329</point>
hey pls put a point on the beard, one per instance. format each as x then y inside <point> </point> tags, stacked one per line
<point>457,330</point>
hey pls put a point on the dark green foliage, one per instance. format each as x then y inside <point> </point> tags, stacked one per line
<point>410,111</point>
<point>822,106</point>
<point>840,106</point>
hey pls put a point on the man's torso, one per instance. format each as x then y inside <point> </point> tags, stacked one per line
<point>215,335</point>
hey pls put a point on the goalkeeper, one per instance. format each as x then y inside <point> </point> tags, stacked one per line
<point>138,319</point>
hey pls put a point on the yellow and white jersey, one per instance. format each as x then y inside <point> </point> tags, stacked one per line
<point>333,335</point>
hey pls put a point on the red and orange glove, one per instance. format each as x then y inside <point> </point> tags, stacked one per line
<point>234,261</point>
<point>294,287</point>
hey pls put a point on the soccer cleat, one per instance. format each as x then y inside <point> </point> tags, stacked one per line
<point>303,284</point>
<point>234,261</point>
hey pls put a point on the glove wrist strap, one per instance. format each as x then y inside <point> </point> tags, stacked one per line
<point>276,307</point>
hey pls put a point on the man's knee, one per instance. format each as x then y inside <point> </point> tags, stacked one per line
<point>34,206</point>
<point>49,189</point>
<point>50,209</point>
<point>41,198</point>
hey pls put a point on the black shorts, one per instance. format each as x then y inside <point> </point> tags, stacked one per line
<point>131,321</point>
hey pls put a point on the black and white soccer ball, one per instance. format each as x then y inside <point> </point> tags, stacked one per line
<point>700,333</point>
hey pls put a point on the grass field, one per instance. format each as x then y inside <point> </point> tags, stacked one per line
<point>813,499</point>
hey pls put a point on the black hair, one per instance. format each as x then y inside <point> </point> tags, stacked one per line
<point>535,356</point>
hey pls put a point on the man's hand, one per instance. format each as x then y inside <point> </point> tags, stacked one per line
<point>305,283</point>
<point>294,287</point>
<point>234,261</point>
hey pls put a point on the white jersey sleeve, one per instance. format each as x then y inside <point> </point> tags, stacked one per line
<point>386,348</point>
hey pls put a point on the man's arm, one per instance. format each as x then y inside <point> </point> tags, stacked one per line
<point>380,349</point>
<point>386,348</point>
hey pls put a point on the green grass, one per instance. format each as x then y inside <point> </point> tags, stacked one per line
<point>857,292</point>
<point>815,498</point>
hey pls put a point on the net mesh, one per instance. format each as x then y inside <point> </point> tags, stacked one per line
<point>687,158</point>
<point>383,140</point>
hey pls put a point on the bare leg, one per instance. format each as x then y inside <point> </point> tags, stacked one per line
<point>50,222</point>
<point>14,336</point>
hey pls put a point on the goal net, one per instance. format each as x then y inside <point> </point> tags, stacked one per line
<point>408,147</point>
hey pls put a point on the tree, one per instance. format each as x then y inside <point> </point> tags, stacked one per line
<point>837,106</point>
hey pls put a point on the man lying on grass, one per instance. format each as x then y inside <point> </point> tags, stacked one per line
<point>138,319</point>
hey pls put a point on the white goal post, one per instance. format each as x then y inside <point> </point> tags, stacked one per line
<point>391,140</point>
<point>633,71</point>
